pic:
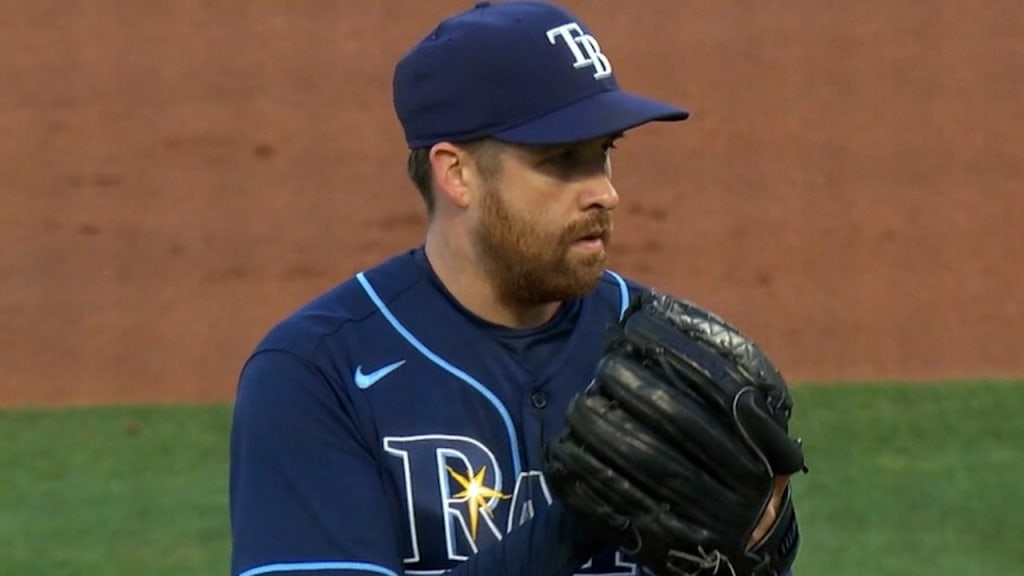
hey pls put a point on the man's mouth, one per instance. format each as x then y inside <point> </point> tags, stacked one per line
<point>599,234</point>
<point>595,239</point>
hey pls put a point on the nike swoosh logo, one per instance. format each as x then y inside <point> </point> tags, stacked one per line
<point>364,381</point>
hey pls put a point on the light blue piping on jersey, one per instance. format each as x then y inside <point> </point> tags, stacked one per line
<point>433,357</point>
<point>623,293</point>
<point>318,566</point>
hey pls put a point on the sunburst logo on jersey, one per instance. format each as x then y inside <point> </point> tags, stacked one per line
<point>476,495</point>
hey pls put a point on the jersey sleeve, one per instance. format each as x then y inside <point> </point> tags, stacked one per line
<point>305,492</point>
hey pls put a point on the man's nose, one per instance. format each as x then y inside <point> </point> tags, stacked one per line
<point>599,192</point>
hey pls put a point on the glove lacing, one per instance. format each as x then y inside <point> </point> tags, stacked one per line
<point>706,563</point>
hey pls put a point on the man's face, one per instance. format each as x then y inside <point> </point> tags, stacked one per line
<point>544,222</point>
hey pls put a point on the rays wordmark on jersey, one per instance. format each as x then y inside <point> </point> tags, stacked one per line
<point>459,500</point>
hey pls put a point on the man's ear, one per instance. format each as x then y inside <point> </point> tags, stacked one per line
<point>449,164</point>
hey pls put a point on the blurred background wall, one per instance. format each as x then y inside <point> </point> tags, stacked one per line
<point>177,176</point>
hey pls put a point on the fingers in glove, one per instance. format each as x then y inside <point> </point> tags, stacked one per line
<point>771,512</point>
<point>779,546</point>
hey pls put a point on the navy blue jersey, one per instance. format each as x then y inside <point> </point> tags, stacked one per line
<point>384,429</point>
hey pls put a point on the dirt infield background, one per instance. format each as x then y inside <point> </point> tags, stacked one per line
<point>176,176</point>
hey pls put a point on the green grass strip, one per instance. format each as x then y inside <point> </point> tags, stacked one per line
<point>912,480</point>
<point>905,480</point>
<point>112,491</point>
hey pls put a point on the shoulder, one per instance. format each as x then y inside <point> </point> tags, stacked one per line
<point>352,304</point>
<point>612,278</point>
<point>617,290</point>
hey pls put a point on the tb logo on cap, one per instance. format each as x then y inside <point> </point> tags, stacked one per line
<point>585,48</point>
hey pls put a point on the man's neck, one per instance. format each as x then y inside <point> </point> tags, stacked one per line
<point>457,268</point>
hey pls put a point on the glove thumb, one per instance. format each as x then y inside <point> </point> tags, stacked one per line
<point>783,455</point>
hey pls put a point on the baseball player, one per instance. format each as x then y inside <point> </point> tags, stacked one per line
<point>396,424</point>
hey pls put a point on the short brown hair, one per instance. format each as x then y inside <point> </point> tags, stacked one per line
<point>485,152</point>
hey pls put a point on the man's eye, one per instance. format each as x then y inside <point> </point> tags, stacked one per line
<point>563,158</point>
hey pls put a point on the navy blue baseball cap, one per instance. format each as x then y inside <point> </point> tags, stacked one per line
<point>519,72</point>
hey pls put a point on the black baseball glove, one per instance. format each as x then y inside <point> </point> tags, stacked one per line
<point>679,451</point>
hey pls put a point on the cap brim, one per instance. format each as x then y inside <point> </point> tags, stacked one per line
<point>599,115</point>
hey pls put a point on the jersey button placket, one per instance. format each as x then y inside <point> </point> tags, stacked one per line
<point>539,400</point>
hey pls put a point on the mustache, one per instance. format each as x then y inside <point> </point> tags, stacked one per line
<point>597,223</point>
